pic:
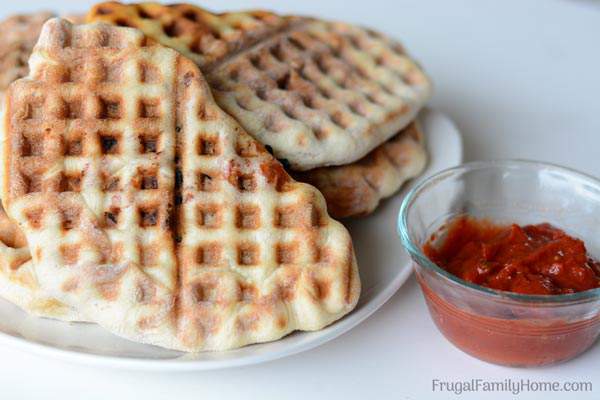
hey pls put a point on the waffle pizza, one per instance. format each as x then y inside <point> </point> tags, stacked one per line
<point>149,210</point>
<point>356,189</point>
<point>346,188</point>
<point>317,93</point>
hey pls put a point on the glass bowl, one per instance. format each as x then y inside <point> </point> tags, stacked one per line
<point>495,326</point>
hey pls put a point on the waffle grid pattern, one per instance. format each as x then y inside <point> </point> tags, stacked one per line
<point>318,93</point>
<point>204,37</point>
<point>78,146</point>
<point>252,236</point>
<point>135,190</point>
<point>18,282</point>
<point>322,87</point>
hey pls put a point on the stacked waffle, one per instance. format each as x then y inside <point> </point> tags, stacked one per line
<point>318,94</point>
<point>141,183</point>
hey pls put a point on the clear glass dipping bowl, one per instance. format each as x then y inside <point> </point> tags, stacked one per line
<point>495,326</point>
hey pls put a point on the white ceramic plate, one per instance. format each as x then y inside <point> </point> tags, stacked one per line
<point>384,267</point>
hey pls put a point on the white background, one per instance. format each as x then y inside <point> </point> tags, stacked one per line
<point>521,80</point>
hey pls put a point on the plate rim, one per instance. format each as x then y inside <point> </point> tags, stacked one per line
<point>327,334</point>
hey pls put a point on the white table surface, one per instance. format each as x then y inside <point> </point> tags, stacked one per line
<point>521,80</point>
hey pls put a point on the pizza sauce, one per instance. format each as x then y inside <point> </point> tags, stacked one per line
<point>532,259</point>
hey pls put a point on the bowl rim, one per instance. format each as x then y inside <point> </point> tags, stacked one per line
<point>417,255</point>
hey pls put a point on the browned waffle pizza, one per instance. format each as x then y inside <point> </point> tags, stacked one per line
<point>357,188</point>
<point>317,93</point>
<point>204,37</point>
<point>148,210</point>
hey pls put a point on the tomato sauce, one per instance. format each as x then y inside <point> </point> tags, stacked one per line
<point>534,259</point>
<point>512,341</point>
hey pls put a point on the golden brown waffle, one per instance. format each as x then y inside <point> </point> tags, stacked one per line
<point>19,35</point>
<point>18,283</point>
<point>356,189</point>
<point>148,209</point>
<point>204,37</point>
<point>318,93</point>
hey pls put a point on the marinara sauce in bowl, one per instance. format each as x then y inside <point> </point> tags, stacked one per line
<point>506,254</point>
